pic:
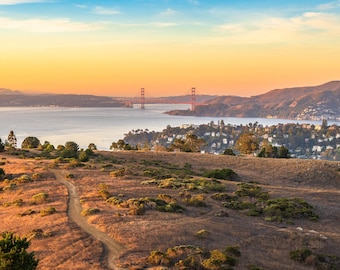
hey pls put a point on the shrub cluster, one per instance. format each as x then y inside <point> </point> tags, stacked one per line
<point>321,261</point>
<point>255,202</point>
<point>11,184</point>
<point>192,184</point>
<point>89,211</point>
<point>223,174</point>
<point>138,206</point>
<point>193,257</point>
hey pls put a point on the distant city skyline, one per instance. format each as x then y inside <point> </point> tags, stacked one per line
<point>115,48</point>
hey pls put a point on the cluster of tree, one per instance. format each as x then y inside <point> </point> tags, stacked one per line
<point>191,143</point>
<point>248,143</point>
<point>69,150</point>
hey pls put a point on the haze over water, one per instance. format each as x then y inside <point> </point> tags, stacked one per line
<point>102,126</point>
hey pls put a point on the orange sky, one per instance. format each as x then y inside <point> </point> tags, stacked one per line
<point>168,54</point>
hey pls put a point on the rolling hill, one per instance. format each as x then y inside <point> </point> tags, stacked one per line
<point>313,102</point>
<point>10,98</point>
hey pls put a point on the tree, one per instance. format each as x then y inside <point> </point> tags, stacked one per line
<point>12,139</point>
<point>70,150</point>
<point>229,152</point>
<point>92,146</point>
<point>247,143</point>
<point>191,144</point>
<point>283,152</point>
<point>14,255</point>
<point>2,173</point>
<point>30,142</point>
<point>2,146</point>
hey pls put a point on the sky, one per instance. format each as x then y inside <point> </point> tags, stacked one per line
<point>115,48</point>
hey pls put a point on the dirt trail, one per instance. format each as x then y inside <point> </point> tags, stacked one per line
<point>111,247</point>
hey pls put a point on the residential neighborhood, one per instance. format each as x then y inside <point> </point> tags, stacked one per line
<point>306,141</point>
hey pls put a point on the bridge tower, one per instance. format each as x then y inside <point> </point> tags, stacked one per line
<point>193,98</point>
<point>142,98</point>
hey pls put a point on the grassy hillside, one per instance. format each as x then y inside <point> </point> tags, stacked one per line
<point>174,209</point>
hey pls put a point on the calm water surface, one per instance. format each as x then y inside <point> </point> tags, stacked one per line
<point>101,126</point>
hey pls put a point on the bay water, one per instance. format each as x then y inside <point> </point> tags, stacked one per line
<point>102,126</point>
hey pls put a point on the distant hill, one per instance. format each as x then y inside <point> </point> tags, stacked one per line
<point>9,98</point>
<point>309,103</point>
<point>4,91</point>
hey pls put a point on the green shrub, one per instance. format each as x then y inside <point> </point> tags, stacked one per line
<point>27,213</point>
<point>248,190</point>
<point>2,173</point>
<point>300,255</point>
<point>69,176</point>
<point>223,174</point>
<point>118,173</point>
<point>217,260</point>
<point>172,207</point>
<point>24,179</point>
<point>38,234</point>
<point>137,210</point>
<point>202,234</point>
<point>13,253</point>
<point>89,211</point>
<point>48,211</point>
<point>18,203</point>
<point>283,208</point>
<point>105,194</point>
<point>158,258</point>
<point>39,198</point>
<point>30,142</point>
<point>224,197</point>
<point>195,200</point>
<point>166,198</point>
<point>114,200</point>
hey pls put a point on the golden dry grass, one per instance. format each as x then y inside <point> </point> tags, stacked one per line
<point>264,244</point>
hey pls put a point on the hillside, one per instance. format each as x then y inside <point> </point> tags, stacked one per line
<point>16,99</point>
<point>315,102</point>
<point>128,226</point>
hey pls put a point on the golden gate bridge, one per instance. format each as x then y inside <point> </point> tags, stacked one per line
<point>142,100</point>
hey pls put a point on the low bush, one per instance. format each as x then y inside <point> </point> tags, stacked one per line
<point>105,194</point>
<point>39,198</point>
<point>28,212</point>
<point>253,191</point>
<point>223,174</point>
<point>38,234</point>
<point>114,200</point>
<point>2,173</point>
<point>48,211</point>
<point>18,203</point>
<point>195,200</point>
<point>202,234</point>
<point>118,173</point>
<point>89,211</point>
<point>283,208</point>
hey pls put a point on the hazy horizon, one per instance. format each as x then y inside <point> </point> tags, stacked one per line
<point>107,48</point>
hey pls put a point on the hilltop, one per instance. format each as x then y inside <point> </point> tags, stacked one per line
<point>118,194</point>
<point>308,103</point>
<point>10,98</point>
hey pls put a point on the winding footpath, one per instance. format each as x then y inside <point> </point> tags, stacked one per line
<point>112,248</point>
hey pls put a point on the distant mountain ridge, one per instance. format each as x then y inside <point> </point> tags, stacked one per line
<point>5,91</point>
<point>10,98</point>
<point>308,103</point>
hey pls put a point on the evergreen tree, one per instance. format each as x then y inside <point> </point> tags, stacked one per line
<point>14,255</point>
<point>12,139</point>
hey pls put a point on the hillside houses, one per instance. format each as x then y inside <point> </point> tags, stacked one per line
<point>303,140</point>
